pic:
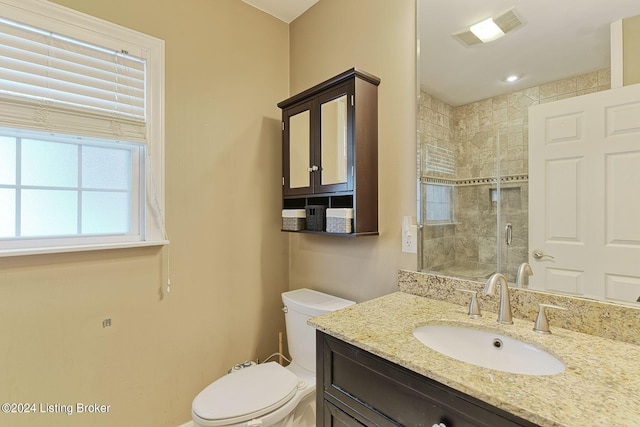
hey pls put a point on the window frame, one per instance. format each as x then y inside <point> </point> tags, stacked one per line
<point>136,192</point>
<point>83,27</point>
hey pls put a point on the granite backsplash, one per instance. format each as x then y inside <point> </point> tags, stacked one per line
<point>602,319</point>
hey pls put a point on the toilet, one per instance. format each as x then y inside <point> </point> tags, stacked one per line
<point>268,394</point>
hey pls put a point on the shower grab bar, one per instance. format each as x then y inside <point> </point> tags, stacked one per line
<point>508,230</point>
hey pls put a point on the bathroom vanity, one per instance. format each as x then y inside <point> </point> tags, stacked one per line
<point>371,370</point>
<point>360,388</point>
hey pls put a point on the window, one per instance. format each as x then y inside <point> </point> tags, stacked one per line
<point>439,206</point>
<point>81,132</point>
<point>86,188</point>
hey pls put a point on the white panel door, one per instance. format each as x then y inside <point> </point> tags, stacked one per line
<point>584,195</point>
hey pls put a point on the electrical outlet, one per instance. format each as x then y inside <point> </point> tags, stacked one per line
<point>410,239</point>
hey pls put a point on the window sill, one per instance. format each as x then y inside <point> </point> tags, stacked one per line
<point>80,248</point>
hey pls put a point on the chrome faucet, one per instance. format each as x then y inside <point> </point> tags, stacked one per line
<point>524,271</point>
<point>504,312</point>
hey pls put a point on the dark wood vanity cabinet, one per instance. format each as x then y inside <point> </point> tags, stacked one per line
<point>357,388</point>
<point>330,148</point>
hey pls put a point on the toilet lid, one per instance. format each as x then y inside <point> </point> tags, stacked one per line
<point>246,394</point>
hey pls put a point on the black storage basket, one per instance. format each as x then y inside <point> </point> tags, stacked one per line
<point>315,217</point>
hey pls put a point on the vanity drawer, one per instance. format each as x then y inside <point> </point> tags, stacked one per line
<point>339,417</point>
<point>372,391</point>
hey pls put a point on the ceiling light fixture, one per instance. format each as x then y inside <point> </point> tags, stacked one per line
<point>486,30</point>
<point>490,29</point>
<point>512,78</point>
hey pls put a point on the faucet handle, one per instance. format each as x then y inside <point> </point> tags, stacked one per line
<point>542,323</point>
<point>474,308</point>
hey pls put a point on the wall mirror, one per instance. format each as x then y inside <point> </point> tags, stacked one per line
<point>299,150</point>
<point>333,119</point>
<point>473,123</point>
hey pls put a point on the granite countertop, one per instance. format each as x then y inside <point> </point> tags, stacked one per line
<point>600,386</point>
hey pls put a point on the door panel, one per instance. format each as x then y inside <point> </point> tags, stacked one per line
<point>584,203</point>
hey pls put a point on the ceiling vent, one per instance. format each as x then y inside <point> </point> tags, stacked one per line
<point>506,22</point>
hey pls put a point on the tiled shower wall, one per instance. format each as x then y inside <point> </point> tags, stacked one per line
<point>435,128</point>
<point>471,133</point>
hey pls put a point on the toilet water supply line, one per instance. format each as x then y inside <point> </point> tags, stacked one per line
<point>249,363</point>
<point>279,353</point>
<point>281,356</point>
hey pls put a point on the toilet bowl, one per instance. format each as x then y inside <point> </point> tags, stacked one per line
<point>263,395</point>
<point>268,394</point>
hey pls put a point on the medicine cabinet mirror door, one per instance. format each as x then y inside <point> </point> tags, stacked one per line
<point>298,160</point>
<point>334,150</point>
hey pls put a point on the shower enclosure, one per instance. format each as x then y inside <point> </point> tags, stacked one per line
<point>473,187</point>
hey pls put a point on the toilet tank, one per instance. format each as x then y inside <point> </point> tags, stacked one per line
<point>300,305</point>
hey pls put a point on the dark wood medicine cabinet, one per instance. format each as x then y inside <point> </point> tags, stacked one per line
<point>330,149</point>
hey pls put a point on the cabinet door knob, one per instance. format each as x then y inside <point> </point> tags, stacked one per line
<point>314,168</point>
<point>439,425</point>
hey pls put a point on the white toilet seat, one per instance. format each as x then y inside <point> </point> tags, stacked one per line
<point>245,395</point>
<point>291,391</point>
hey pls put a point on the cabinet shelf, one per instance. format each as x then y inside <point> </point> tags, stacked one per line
<point>330,149</point>
<point>324,233</point>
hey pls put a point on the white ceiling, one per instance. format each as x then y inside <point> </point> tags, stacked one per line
<point>284,10</point>
<point>559,39</point>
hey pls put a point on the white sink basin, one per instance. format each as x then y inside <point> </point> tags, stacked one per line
<point>488,350</point>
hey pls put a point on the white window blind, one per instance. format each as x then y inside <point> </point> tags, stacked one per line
<point>81,132</point>
<point>51,82</point>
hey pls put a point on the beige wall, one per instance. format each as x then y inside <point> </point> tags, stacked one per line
<point>377,36</point>
<point>227,65</point>
<point>631,50</point>
<point>226,68</point>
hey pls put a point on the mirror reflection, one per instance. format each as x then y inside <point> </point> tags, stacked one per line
<point>299,150</point>
<point>333,117</point>
<point>473,126</point>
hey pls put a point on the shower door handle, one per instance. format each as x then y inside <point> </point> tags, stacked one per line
<point>508,231</point>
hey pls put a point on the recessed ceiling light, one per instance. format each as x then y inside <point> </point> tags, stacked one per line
<point>512,78</point>
<point>486,30</point>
